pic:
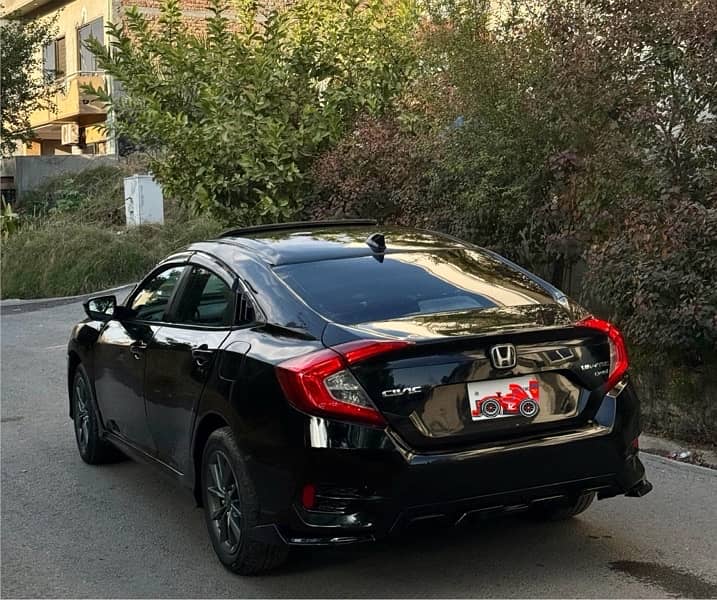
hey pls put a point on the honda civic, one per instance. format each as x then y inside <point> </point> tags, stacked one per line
<point>329,383</point>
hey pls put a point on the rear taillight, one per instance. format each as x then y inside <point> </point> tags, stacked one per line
<point>321,384</point>
<point>618,350</point>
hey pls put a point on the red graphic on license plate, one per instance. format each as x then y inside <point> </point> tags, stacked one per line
<point>513,399</point>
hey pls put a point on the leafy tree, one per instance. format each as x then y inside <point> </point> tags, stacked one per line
<point>232,119</point>
<point>568,135</point>
<point>22,88</point>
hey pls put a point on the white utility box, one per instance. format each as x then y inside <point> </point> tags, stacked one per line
<point>143,201</point>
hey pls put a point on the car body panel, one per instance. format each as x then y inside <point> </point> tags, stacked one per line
<point>430,458</point>
<point>173,385</point>
<point>437,412</point>
<point>119,369</point>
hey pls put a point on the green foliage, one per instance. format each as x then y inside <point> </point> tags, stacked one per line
<point>657,276</point>
<point>92,196</point>
<point>378,171</point>
<point>9,220</point>
<point>71,237</point>
<point>231,120</point>
<point>21,91</point>
<point>70,259</point>
<point>563,134</point>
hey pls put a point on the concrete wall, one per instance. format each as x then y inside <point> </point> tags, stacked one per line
<point>29,172</point>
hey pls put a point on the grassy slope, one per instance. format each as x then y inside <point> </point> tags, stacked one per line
<point>73,239</point>
<point>62,259</point>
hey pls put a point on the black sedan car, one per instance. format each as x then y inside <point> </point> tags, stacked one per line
<point>333,382</point>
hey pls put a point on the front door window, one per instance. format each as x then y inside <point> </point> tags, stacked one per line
<point>151,302</point>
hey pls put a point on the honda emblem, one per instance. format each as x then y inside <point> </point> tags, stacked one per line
<point>503,356</point>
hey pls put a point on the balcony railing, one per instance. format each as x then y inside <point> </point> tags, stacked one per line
<point>21,7</point>
<point>72,103</point>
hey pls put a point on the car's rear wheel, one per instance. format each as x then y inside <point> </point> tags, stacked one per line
<point>560,510</point>
<point>92,448</point>
<point>231,509</point>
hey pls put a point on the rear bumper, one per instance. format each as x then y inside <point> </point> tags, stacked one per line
<point>368,485</point>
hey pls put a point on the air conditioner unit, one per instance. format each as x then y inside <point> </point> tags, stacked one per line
<point>70,134</point>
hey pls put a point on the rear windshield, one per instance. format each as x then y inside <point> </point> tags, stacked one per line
<point>362,289</point>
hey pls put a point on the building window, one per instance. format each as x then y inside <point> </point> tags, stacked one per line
<point>93,29</point>
<point>54,59</point>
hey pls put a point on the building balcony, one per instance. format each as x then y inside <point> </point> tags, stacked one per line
<point>72,104</point>
<point>21,7</point>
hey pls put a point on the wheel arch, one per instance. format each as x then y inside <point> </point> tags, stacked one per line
<point>208,424</point>
<point>73,361</point>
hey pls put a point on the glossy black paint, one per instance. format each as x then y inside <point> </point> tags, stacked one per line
<point>162,387</point>
<point>119,358</point>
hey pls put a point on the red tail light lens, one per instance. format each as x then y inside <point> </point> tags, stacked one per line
<point>320,383</point>
<point>618,350</point>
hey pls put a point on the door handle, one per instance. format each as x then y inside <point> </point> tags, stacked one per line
<point>202,356</point>
<point>137,349</point>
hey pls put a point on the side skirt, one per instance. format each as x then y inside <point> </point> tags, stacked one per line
<point>141,456</point>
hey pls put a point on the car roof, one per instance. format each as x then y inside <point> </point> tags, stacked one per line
<point>328,240</point>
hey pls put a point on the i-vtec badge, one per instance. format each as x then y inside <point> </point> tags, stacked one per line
<point>402,391</point>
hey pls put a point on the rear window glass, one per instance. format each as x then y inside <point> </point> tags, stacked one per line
<point>361,290</point>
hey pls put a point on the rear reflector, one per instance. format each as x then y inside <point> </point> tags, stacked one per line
<point>308,495</point>
<point>618,350</point>
<point>320,383</point>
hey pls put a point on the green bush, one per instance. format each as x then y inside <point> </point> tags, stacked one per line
<point>657,276</point>
<point>378,171</point>
<point>95,195</point>
<point>231,120</point>
<point>71,239</point>
<point>576,138</point>
<point>533,141</point>
<point>64,259</point>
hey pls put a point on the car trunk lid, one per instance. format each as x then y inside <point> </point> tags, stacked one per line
<point>444,391</point>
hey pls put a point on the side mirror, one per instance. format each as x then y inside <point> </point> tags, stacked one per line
<point>101,308</point>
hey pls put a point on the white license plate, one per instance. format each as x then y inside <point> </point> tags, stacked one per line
<point>499,398</point>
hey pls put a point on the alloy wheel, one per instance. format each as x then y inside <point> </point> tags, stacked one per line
<point>82,414</point>
<point>223,503</point>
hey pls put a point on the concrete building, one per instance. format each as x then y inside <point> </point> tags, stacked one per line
<point>76,123</point>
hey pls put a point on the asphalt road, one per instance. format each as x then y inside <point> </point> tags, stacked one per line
<point>71,530</point>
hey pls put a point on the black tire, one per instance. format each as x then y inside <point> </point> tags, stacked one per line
<point>92,448</point>
<point>561,510</point>
<point>231,509</point>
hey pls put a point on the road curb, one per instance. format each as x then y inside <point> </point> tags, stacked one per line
<point>677,463</point>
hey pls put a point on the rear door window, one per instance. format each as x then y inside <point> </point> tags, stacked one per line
<point>362,289</point>
<point>206,300</point>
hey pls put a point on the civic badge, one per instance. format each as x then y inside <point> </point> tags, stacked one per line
<point>503,356</point>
